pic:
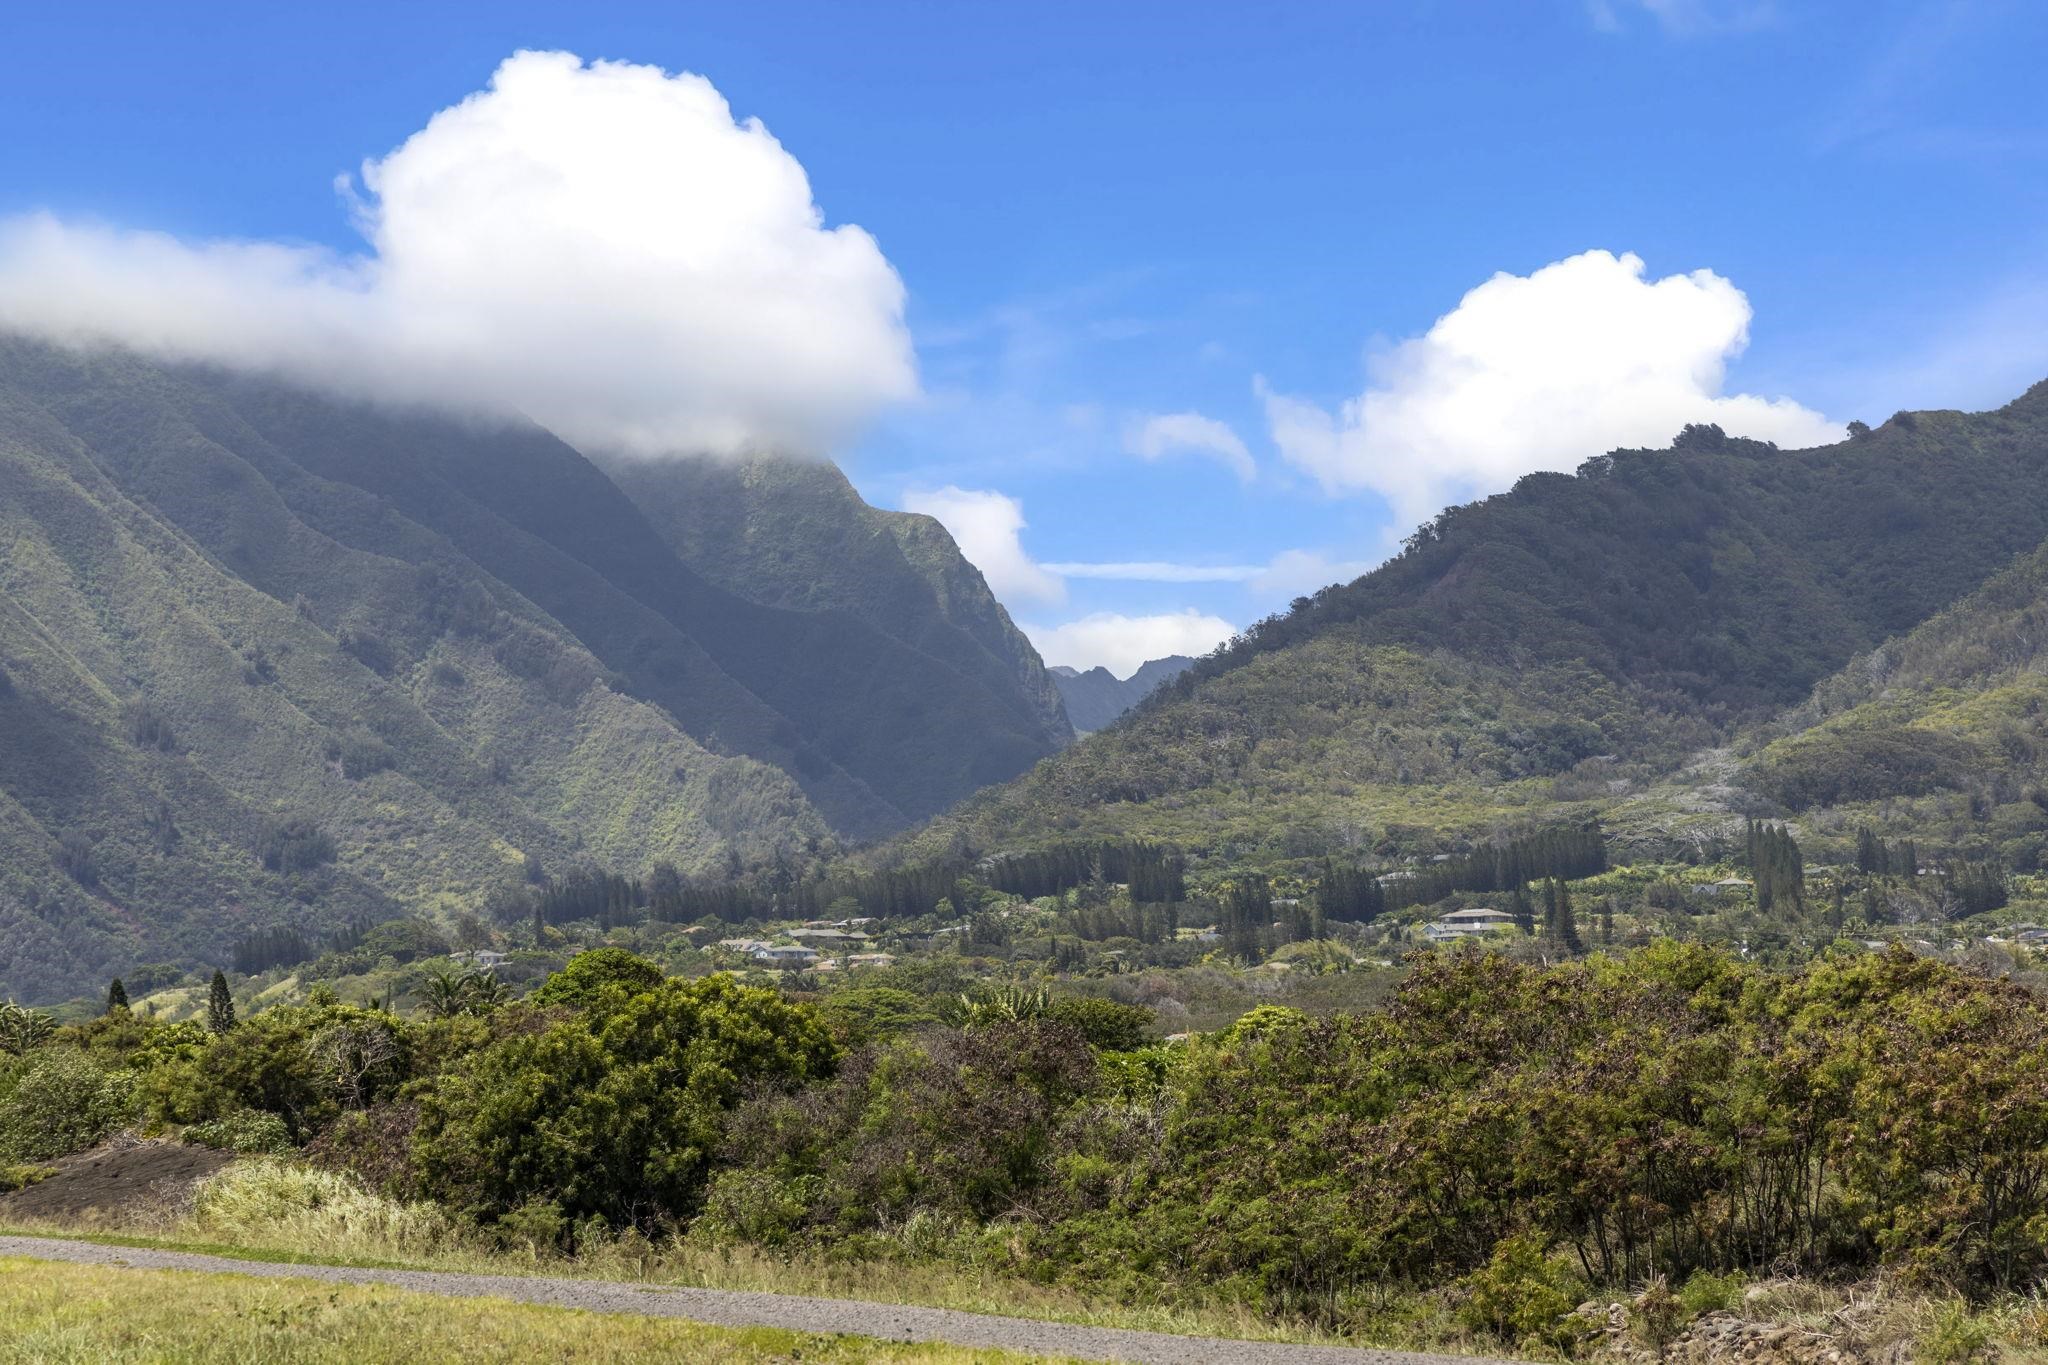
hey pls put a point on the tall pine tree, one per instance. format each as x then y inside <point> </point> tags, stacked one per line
<point>1567,921</point>
<point>220,1004</point>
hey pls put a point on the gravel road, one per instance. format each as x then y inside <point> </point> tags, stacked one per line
<point>728,1308</point>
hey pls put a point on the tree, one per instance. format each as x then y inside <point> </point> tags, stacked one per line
<point>23,1030</point>
<point>579,984</point>
<point>443,997</point>
<point>1568,921</point>
<point>117,996</point>
<point>1524,913</point>
<point>220,1004</point>
<point>616,1111</point>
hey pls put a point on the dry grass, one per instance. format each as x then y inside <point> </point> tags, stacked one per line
<point>55,1314</point>
<point>267,1209</point>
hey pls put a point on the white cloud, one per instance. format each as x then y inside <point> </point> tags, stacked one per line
<point>1159,571</point>
<point>1289,572</point>
<point>986,526</point>
<point>1123,643</point>
<point>601,247</point>
<point>1538,372</point>
<point>1295,572</point>
<point>1178,433</point>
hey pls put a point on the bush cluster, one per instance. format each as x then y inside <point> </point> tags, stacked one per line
<point>1522,1133</point>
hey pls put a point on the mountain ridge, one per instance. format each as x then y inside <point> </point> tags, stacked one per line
<point>435,654</point>
<point>1095,697</point>
<point>1594,632</point>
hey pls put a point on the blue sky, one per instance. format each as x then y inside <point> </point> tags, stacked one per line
<point>1238,219</point>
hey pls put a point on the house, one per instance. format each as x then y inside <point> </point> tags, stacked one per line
<point>830,938</point>
<point>748,946</point>
<point>784,955</point>
<point>481,959</point>
<point>1465,923</point>
<point>871,959</point>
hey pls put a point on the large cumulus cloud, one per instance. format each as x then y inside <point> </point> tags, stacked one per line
<point>599,246</point>
<point>1538,372</point>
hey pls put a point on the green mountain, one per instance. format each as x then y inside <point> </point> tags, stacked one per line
<point>1578,645</point>
<point>795,534</point>
<point>1941,735</point>
<point>273,659</point>
<point>1098,696</point>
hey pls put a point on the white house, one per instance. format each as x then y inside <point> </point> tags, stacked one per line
<point>784,955</point>
<point>1465,923</point>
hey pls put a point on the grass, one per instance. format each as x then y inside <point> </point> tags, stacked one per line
<point>53,1313</point>
<point>279,1212</point>
<point>738,1268</point>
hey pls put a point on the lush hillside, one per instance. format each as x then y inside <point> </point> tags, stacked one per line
<point>1941,735</point>
<point>1724,575</point>
<point>271,659</point>
<point>1569,643</point>
<point>1098,696</point>
<point>795,534</point>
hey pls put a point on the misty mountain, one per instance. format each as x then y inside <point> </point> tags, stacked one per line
<point>1098,696</point>
<point>1563,650</point>
<point>272,658</point>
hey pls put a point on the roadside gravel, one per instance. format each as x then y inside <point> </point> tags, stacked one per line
<point>729,1308</point>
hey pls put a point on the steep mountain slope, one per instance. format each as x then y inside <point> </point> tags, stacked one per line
<point>1098,696</point>
<point>275,659</point>
<point>1567,643</point>
<point>795,534</point>
<point>1940,735</point>
<point>1723,574</point>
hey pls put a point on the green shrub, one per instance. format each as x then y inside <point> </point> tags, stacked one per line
<point>616,1111</point>
<point>861,1015</point>
<point>968,1124</point>
<point>756,1207</point>
<point>249,1131</point>
<point>304,1064</point>
<point>58,1102</point>
<point>1106,1024</point>
<point>1956,1335</point>
<point>14,1178</point>
<point>1706,1292</point>
<point>1520,1295</point>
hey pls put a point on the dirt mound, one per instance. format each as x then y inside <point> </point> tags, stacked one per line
<point>122,1181</point>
